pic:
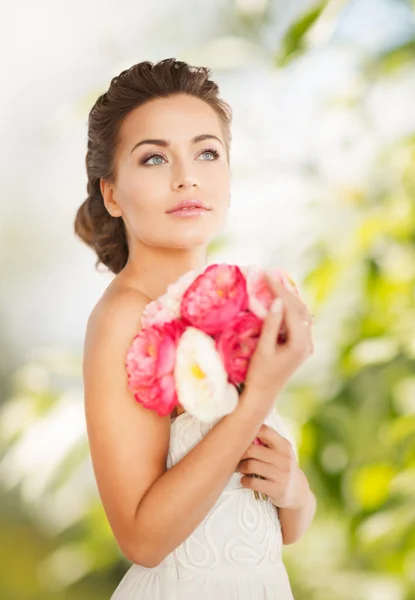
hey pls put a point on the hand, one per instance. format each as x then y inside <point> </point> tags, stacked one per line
<point>283,480</point>
<point>273,363</point>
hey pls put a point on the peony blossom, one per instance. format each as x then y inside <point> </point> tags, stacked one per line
<point>166,308</point>
<point>150,366</point>
<point>236,344</point>
<point>259,293</point>
<point>286,279</point>
<point>214,298</point>
<point>201,379</point>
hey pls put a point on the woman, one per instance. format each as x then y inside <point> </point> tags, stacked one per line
<point>171,486</point>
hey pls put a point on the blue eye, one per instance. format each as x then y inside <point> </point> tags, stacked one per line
<point>212,151</point>
<point>147,158</point>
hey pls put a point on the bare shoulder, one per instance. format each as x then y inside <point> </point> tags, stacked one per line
<point>111,327</point>
<point>128,443</point>
<point>120,307</point>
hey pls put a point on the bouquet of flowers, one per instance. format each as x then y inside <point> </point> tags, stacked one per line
<point>197,339</point>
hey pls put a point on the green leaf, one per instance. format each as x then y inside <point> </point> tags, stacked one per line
<point>293,41</point>
<point>394,59</point>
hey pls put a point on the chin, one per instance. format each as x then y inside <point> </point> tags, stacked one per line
<point>189,233</point>
<point>191,241</point>
<point>197,236</point>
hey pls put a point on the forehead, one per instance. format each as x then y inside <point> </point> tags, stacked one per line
<point>176,118</point>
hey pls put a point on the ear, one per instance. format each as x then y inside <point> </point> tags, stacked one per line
<point>110,203</point>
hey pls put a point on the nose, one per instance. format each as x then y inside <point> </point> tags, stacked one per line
<point>184,183</point>
<point>187,183</point>
<point>183,178</point>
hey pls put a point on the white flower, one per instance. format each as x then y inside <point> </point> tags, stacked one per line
<point>166,308</point>
<point>201,379</point>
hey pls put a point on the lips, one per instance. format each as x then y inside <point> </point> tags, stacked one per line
<point>188,209</point>
<point>189,205</point>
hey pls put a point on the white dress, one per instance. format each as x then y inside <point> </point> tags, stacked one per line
<point>236,551</point>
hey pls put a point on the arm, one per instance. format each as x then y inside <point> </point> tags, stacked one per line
<point>276,462</point>
<point>151,510</point>
<point>193,485</point>
<point>296,521</point>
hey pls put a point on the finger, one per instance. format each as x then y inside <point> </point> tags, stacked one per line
<point>271,326</point>
<point>264,454</point>
<point>295,309</point>
<point>278,288</point>
<point>281,463</point>
<point>285,278</point>
<point>257,467</point>
<point>290,302</point>
<point>263,486</point>
<point>270,436</point>
<point>290,298</point>
<point>259,452</point>
<point>274,440</point>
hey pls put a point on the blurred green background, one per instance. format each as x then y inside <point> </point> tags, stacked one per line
<point>323,184</point>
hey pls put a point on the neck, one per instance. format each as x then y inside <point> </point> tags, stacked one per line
<point>152,269</point>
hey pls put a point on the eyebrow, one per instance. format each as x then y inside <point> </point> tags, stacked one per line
<point>165,143</point>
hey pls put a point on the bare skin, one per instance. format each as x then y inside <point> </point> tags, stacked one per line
<point>129,443</point>
<point>162,247</point>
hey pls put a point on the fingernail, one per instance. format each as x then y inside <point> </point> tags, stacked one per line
<point>276,305</point>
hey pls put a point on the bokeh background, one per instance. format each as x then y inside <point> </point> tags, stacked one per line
<point>323,151</point>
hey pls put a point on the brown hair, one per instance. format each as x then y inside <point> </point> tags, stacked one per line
<point>132,88</point>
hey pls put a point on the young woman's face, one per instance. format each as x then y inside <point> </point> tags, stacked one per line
<point>153,178</point>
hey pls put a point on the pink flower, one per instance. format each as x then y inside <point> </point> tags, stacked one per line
<point>236,344</point>
<point>150,366</point>
<point>286,279</point>
<point>260,295</point>
<point>214,298</point>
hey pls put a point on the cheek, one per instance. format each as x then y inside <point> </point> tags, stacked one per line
<point>144,196</point>
<point>219,217</point>
<point>219,177</point>
<point>146,182</point>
